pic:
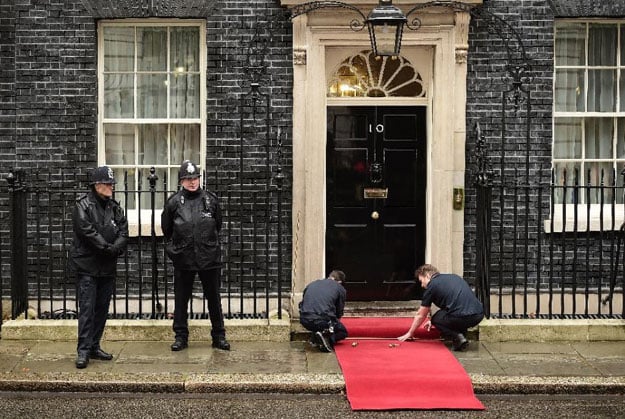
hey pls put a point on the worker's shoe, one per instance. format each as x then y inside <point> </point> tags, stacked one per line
<point>324,341</point>
<point>82,361</point>
<point>100,354</point>
<point>314,341</point>
<point>179,345</point>
<point>221,343</point>
<point>459,343</point>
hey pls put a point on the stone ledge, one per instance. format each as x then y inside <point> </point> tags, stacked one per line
<point>540,330</point>
<point>274,330</point>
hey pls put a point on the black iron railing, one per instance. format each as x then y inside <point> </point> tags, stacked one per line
<point>552,248</point>
<point>34,253</point>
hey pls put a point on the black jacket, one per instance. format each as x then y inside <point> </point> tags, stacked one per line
<point>323,299</point>
<point>191,222</point>
<point>100,235</point>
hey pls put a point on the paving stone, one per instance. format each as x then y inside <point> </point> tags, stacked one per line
<point>545,365</point>
<point>510,367</point>
<point>152,352</point>
<point>9,362</point>
<point>592,350</point>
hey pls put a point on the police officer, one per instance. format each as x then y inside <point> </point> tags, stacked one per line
<point>100,237</point>
<point>321,309</point>
<point>191,221</point>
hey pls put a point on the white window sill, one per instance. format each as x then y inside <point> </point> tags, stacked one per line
<point>586,221</point>
<point>146,223</point>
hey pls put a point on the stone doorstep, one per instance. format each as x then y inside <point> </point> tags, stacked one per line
<point>274,330</point>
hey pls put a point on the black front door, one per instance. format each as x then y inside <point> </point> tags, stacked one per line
<point>376,178</point>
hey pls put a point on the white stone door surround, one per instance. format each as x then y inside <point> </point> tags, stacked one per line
<point>316,38</point>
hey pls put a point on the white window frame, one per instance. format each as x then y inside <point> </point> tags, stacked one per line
<point>588,220</point>
<point>133,214</point>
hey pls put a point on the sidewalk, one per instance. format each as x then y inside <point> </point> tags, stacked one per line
<point>294,367</point>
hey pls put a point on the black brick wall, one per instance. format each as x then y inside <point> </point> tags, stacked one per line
<point>48,106</point>
<point>533,21</point>
<point>522,252</point>
<point>588,8</point>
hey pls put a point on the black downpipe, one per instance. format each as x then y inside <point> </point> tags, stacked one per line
<point>19,244</point>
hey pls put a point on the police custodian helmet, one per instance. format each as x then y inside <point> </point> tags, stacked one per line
<point>188,170</point>
<point>102,174</point>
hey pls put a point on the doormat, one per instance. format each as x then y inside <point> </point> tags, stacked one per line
<point>386,374</point>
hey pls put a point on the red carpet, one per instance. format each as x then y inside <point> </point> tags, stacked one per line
<point>383,374</point>
<point>384,327</point>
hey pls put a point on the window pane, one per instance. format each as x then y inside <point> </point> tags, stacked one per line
<point>119,49</point>
<point>599,136</point>
<point>152,95</point>
<point>118,96</point>
<point>602,41</point>
<point>622,89</point>
<point>620,138</point>
<point>125,187</point>
<point>601,90</point>
<point>622,45</point>
<point>570,44</point>
<point>599,174</point>
<point>185,143</point>
<point>567,138</point>
<point>119,142</point>
<point>153,144</point>
<point>152,49</point>
<point>569,90</point>
<point>185,52</point>
<point>185,95</point>
<point>567,174</point>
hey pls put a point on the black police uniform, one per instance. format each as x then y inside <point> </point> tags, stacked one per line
<point>100,236</point>
<point>191,222</point>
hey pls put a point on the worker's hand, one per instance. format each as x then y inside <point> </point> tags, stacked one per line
<point>427,325</point>
<point>405,337</point>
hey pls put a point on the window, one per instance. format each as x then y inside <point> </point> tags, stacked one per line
<point>151,93</point>
<point>364,75</point>
<point>589,109</point>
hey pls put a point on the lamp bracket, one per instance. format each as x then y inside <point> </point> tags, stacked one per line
<point>415,23</point>
<point>301,9</point>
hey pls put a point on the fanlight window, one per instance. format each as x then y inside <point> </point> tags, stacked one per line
<point>364,75</point>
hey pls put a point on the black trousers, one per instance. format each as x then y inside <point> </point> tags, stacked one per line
<point>94,298</point>
<point>183,288</point>
<point>450,326</point>
<point>319,325</point>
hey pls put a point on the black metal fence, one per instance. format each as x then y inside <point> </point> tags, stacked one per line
<point>550,248</point>
<point>36,236</point>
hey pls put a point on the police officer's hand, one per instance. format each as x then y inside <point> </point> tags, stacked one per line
<point>113,250</point>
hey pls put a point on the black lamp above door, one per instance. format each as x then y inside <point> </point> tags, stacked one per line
<point>386,24</point>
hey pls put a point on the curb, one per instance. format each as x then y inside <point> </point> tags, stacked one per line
<point>288,384</point>
<point>489,384</point>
